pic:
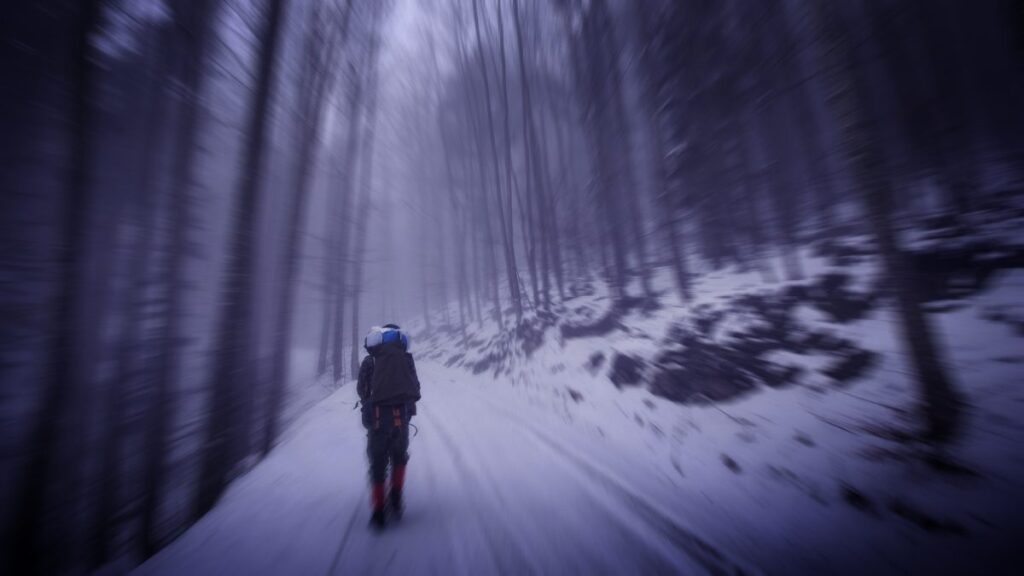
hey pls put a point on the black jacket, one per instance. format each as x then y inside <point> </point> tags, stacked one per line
<point>388,376</point>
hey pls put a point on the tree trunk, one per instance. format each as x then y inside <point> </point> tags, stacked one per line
<point>26,549</point>
<point>318,77</point>
<point>342,248</point>
<point>589,73</point>
<point>193,37</point>
<point>483,219</point>
<point>941,403</point>
<point>664,207</point>
<point>616,110</point>
<point>534,163</point>
<point>549,185</point>
<point>458,237</point>
<point>510,254</point>
<point>231,379</point>
<point>127,379</point>
<point>365,200</point>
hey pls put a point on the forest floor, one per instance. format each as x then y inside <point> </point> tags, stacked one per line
<point>640,449</point>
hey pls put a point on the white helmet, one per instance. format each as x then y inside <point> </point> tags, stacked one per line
<point>382,334</point>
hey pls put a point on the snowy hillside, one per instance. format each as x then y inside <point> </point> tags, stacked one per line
<point>534,461</point>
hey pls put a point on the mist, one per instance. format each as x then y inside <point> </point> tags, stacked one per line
<point>691,286</point>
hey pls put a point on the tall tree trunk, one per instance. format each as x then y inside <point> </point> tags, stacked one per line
<point>664,206</point>
<point>482,220</point>
<point>442,275</point>
<point>330,275</point>
<point>365,196</point>
<point>750,156</point>
<point>193,28</point>
<point>510,254</point>
<point>571,188</point>
<point>458,237</point>
<point>342,248</point>
<point>231,378</point>
<point>589,73</point>
<point>663,203</point>
<point>425,278</point>
<point>616,109</point>
<point>554,236</point>
<point>472,232</point>
<point>332,262</point>
<point>61,379</point>
<point>535,177</point>
<point>507,132</point>
<point>318,78</point>
<point>784,189</point>
<point>941,403</point>
<point>129,363</point>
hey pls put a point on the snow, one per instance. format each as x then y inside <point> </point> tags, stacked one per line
<point>487,492</point>
<point>513,473</point>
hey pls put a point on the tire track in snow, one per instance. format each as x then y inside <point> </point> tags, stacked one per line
<point>344,541</point>
<point>584,556</point>
<point>709,557</point>
<point>518,560</point>
<point>431,451</point>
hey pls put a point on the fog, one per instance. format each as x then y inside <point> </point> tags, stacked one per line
<point>750,272</point>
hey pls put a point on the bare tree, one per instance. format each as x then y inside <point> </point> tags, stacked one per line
<point>317,80</point>
<point>342,247</point>
<point>510,255</point>
<point>941,403</point>
<point>224,444</point>
<point>58,390</point>
<point>363,207</point>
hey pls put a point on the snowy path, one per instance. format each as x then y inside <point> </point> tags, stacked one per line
<point>489,491</point>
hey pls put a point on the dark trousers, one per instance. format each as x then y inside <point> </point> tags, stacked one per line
<point>387,440</point>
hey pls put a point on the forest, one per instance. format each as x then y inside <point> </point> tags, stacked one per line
<point>625,222</point>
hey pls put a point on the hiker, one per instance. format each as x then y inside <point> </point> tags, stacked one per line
<point>388,390</point>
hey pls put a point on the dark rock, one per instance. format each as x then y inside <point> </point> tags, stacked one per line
<point>823,341</point>
<point>851,366</point>
<point>774,375</point>
<point>843,253</point>
<point>953,270</point>
<point>626,370</point>
<point>531,332</point>
<point>482,365</point>
<point>943,464</point>
<point>803,438</point>
<point>831,296</point>
<point>595,362</point>
<point>856,498</point>
<point>702,372</point>
<point>701,364</point>
<point>575,395</point>
<point>731,464</point>
<point>925,521</point>
<point>609,322</point>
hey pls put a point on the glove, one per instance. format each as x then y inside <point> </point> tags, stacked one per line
<point>367,415</point>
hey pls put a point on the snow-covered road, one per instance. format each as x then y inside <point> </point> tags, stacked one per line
<point>489,491</point>
<point>540,465</point>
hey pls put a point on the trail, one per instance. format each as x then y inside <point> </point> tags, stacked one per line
<point>489,492</point>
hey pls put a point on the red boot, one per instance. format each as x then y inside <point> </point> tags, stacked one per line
<point>377,502</point>
<point>395,497</point>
